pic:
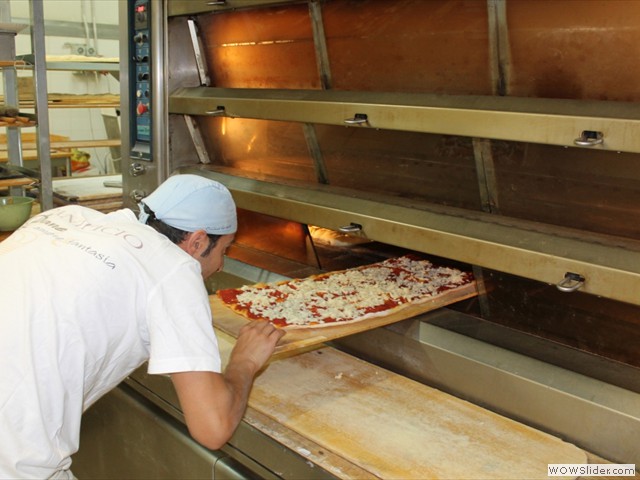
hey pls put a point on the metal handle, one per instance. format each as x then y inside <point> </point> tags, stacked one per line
<point>358,119</point>
<point>112,184</point>
<point>218,111</point>
<point>589,138</point>
<point>571,282</point>
<point>351,228</point>
<point>217,2</point>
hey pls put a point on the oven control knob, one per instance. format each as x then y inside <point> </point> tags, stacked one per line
<point>140,38</point>
<point>141,108</point>
<point>136,169</point>
<point>137,195</point>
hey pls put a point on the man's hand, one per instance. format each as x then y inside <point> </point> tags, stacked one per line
<point>213,404</point>
<point>255,344</point>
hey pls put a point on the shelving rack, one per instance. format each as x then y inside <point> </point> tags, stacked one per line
<point>67,101</point>
<point>8,32</point>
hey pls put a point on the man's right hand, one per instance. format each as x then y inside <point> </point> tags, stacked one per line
<point>256,342</point>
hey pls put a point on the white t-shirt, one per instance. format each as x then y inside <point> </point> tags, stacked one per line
<point>86,298</point>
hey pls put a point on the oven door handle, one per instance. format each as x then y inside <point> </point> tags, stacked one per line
<point>589,138</point>
<point>357,119</point>
<point>351,228</point>
<point>571,282</point>
<point>217,112</point>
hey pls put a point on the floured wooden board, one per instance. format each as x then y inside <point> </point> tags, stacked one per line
<point>395,428</point>
<point>230,322</point>
<point>89,192</point>
<point>82,189</point>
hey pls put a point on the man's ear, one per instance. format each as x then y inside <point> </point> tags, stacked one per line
<point>195,242</point>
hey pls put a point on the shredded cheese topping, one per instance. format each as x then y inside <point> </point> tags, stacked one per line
<point>352,294</point>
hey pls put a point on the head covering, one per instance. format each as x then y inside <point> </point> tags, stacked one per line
<point>192,202</point>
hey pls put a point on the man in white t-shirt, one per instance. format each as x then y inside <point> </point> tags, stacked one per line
<point>88,297</point>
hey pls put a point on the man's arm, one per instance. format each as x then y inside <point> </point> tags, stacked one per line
<point>213,404</point>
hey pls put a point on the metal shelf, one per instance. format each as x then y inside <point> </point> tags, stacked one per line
<point>547,121</point>
<point>91,64</point>
<point>84,66</point>
<point>188,7</point>
<point>524,248</point>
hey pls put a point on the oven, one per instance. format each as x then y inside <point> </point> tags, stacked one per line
<point>500,137</point>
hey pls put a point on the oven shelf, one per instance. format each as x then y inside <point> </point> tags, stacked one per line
<point>545,253</point>
<point>558,122</point>
<point>189,7</point>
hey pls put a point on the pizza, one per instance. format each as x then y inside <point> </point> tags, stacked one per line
<point>344,296</point>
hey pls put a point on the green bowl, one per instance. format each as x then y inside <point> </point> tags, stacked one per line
<point>14,211</point>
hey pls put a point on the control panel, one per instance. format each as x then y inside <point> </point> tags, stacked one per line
<point>140,80</point>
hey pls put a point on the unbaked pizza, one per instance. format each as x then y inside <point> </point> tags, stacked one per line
<point>345,296</point>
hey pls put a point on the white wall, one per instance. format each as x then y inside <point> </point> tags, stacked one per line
<point>76,123</point>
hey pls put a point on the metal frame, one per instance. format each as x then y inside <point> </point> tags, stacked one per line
<point>499,60</point>
<point>10,82</point>
<point>320,44</point>
<point>154,172</point>
<point>252,447</point>
<point>125,123</point>
<point>36,9</point>
<point>499,43</point>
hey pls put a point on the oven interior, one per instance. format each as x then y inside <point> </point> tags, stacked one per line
<point>562,192</point>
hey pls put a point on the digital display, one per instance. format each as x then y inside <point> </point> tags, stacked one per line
<point>141,8</point>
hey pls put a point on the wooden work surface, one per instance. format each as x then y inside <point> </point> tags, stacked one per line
<point>383,425</point>
<point>61,100</point>
<point>88,188</point>
<point>16,182</point>
<point>32,154</point>
<point>28,142</point>
<point>89,192</point>
<point>62,144</point>
<point>230,322</point>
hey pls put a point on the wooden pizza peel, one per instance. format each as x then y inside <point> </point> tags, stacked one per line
<point>297,340</point>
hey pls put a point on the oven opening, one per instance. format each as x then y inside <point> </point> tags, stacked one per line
<point>513,313</point>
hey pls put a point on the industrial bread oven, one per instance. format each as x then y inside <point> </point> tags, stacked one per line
<point>498,136</point>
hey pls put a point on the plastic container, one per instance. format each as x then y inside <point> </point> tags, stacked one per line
<point>14,211</point>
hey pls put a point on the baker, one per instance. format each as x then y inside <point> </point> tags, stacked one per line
<point>88,297</point>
